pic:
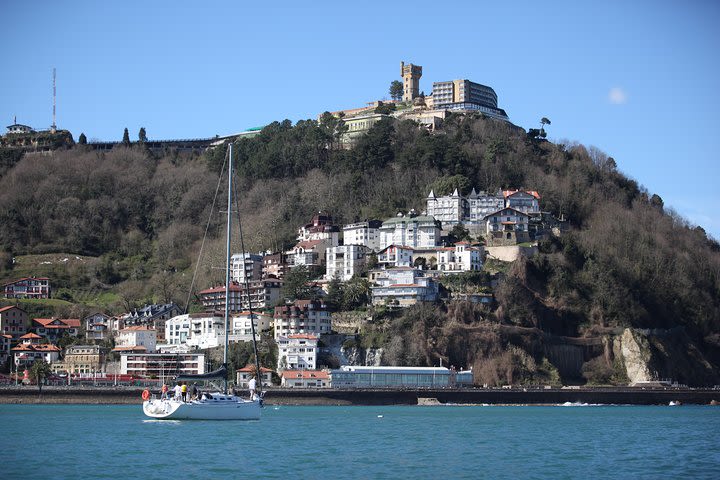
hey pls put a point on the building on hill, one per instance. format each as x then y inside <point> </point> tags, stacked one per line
<point>524,201</point>
<point>321,227</point>
<point>14,321</point>
<point>403,287</point>
<point>275,265</point>
<point>55,328</point>
<point>5,344</point>
<point>297,352</point>
<point>29,287</point>
<point>18,128</point>
<point>97,327</point>
<point>363,233</point>
<point>482,204</point>
<point>345,261</point>
<point>467,96</point>
<point>449,210</point>
<point>462,257</point>
<point>245,266</point>
<point>412,230</point>
<point>137,336</point>
<point>241,327</point>
<point>263,294</point>
<point>359,125</point>
<point>302,317</point>
<point>506,227</point>
<point>153,316</point>
<point>411,81</point>
<point>395,256</point>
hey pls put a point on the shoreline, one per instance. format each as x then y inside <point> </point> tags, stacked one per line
<point>348,397</point>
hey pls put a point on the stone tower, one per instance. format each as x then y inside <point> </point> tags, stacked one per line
<point>411,80</point>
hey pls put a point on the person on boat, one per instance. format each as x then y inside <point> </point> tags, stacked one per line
<point>163,392</point>
<point>178,391</point>
<point>252,384</point>
<point>183,390</point>
<point>194,392</point>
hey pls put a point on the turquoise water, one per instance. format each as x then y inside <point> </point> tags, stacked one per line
<point>439,442</point>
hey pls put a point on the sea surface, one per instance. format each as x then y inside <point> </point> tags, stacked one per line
<point>53,442</point>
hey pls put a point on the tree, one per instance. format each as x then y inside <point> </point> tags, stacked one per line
<point>142,137</point>
<point>396,90</point>
<point>126,138</point>
<point>39,371</point>
<point>543,121</point>
<point>296,284</point>
<point>82,139</point>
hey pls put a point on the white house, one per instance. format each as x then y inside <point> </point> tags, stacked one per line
<point>241,327</point>
<point>403,286</point>
<point>344,261</point>
<point>297,352</point>
<point>363,233</point>
<point>246,266</point>
<point>463,257</point>
<point>449,210</point>
<point>320,228</point>
<point>177,330</point>
<point>396,256</point>
<point>481,204</point>
<point>416,231</point>
<point>137,336</point>
<point>206,331</point>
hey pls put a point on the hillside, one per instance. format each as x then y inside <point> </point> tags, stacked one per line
<point>630,276</point>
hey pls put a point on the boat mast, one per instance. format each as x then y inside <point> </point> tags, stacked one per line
<point>227,261</point>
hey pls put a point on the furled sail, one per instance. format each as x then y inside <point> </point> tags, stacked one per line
<point>220,373</point>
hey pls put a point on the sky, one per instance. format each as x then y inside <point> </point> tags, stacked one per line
<point>639,80</point>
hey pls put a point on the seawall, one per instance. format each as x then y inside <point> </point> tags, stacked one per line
<point>277,396</point>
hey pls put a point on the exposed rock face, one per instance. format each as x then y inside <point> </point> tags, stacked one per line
<point>634,349</point>
<point>361,357</point>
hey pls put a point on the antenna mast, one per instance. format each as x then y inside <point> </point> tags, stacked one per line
<point>53,129</point>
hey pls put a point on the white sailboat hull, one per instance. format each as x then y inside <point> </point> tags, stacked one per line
<point>222,407</point>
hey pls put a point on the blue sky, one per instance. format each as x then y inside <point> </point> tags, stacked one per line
<point>637,79</point>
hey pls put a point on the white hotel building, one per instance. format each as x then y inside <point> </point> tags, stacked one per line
<point>416,231</point>
<point>297,352</point>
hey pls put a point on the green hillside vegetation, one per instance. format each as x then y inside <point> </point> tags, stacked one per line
<point>627,261</point>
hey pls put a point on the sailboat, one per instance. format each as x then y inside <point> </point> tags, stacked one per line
<point>217,405</point>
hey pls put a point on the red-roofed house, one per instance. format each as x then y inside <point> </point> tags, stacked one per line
<point>463,257</point>
<point>243,376</point>
<point>14,321</point>
<point>524,201</point>
<point>297,352</point>
<point>29,287</point>
<point>25,354</point>
<point>305,379</point>
<point>54,328</point>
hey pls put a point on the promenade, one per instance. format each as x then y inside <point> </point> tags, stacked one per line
<point>470,396</point>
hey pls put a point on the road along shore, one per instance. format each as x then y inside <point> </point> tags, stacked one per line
<point>331,396</point>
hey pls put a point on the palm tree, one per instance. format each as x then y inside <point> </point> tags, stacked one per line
<point>39,371</point>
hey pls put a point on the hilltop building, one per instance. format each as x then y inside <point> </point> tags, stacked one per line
<point>411,230</point>
<point>245,266</point>
<point>302,317</point>
<point>411,81</point>
<point>14,321</point>
<point>29,287</point>
<point>263,294</point>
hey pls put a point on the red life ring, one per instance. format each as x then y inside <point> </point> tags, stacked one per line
<point>146,394</point>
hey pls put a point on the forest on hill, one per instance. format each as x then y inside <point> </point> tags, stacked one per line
<point>626,261</point>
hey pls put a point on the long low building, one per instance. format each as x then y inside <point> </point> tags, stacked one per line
<point>161,365</point>
<point>399,377</point>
